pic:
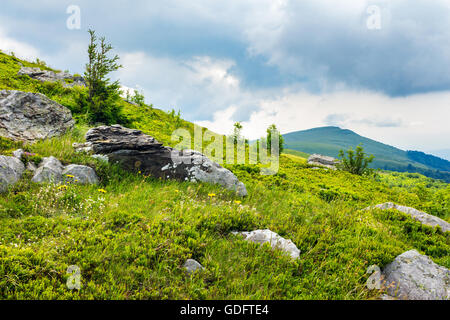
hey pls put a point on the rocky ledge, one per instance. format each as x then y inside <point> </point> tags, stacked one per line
<point>138,152</point>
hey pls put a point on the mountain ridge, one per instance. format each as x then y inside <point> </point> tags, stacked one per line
<point>329,140</point>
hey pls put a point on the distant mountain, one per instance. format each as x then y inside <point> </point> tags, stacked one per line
<point>330,140</point>
<point>442,153</point>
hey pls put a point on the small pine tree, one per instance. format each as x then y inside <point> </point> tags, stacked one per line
<point>103,96</point>
<point>355,162</point>
<point>138,97</point>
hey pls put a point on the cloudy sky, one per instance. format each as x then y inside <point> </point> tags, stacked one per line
<point>380,68</point>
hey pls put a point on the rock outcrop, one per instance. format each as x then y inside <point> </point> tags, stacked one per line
<point>275,241</point>
<point>30,117</point>
<point>11,170</point>
<point>424,218</point>
<point>323,161</point>
<point>412,276</point>
<point>51,170</point>
<point>138,152</point>
<point>66,79</point>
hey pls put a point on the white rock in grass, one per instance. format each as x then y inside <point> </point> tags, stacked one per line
<point>18,154</point>
<point>276,242</point>
<point>424,218</point>
<point>192,266</point>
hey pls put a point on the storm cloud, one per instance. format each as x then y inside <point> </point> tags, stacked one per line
<point>234,58</point>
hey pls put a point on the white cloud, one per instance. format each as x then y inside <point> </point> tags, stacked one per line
<point>202,81</point>
<point>418,121</point>
<point>20,49</point>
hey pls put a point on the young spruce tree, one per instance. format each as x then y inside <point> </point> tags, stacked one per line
<point>103,100</point>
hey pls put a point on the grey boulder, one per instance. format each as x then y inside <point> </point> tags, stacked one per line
<point>275,241</point>
<point>81,174</point>
<point>424,218</point>
<point>192,266</point>
<point>412,276</point>
<point>29,117</point>
<point>323,161</point>
<point>136,151</point>
<point>18,154</point>
<point>11,170</point>
<point>49,171</point>
<point>66,79</point>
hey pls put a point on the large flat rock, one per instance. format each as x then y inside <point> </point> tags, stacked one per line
<point>424,218</point>
<point>323,161</point>
<point>138,152</point>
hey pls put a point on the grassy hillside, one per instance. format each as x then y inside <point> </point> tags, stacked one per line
<point>131,235</point>
<point>330,140</point>
<point>297,153</point>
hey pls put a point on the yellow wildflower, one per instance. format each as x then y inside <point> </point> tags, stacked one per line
<point>211,195</point>
<point>237,201</point>
<point>70,176</point>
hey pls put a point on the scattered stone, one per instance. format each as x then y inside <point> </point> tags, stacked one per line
<point>101,157</point>
<point>49,171</point>
<point>136,151</point>
<point>412,276</point>
<point>29,117</point>
<point>276,242</point>
<point>81,174</point>
<point>192,266</point>
<point>424,218</point>
<point>11,170</point>
<point>18,154</point>
<point>66,79</point>
<point>323,161</point>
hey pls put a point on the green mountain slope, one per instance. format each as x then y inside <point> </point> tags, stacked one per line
<point>131,234</point>
<point>329,140</point>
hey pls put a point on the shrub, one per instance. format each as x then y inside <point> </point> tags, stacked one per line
<point>356,163</point>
